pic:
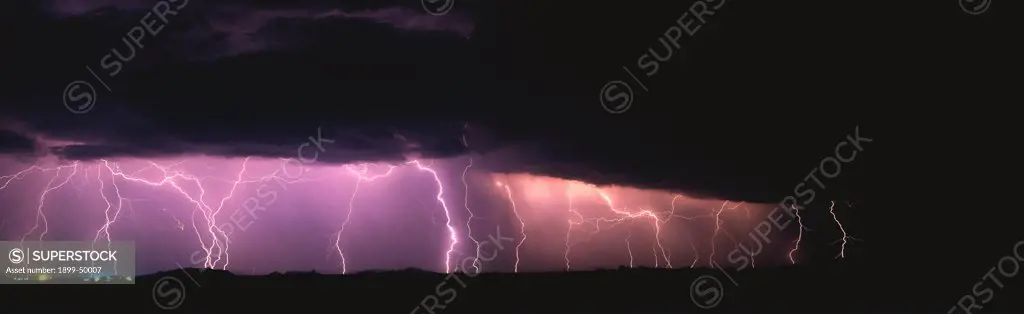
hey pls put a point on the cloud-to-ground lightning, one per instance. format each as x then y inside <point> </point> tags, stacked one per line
<point>107,171</point>
<point>348,217</point>
<point>453,236</point>
<point>842,248</point>
<point>361,172</point>
<point>753,255</point>
<point>522,225</point>
<point>718,228</point>
<point>40,215</point>
<point>658,220</point>
<point>625,215</point>
<point>629,249</point>
<point>212,239</point>
<point>568,234</point>
<point>800,232</point>
<point>693,244</point>
<point>469,220</point>
<point>609,211</point>
<point>108,220</point>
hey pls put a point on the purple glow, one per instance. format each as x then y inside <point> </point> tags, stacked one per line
<point>258,215</point>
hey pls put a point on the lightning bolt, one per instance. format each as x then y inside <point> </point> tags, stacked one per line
<point>753,257</point>
<point>799,236</point>
<point>348,217</point>
<point>696,255</point>
<point>105,229</point>
<point>693,245</point>
<point>360,171</point>
<point>718,227</point>
<point>216,250</point>
<point>626,215</point>
<point>568,231</point>
<point>842,249</point>
<point>40,215</point>
<point>469,221</point>
<point>213,216</point>
<point>522,225</point>
<point>452,234</point>
<point>469,229</point>
<point>215,242</point>
<point>628,249</point>
<point>657,224</point>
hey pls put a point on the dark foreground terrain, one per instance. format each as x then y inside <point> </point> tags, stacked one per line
<point>833,289</point>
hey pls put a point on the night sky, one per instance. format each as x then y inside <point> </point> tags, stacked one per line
<point>749,105</point>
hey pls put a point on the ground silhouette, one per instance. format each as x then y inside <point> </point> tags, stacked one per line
<point>841,287</point>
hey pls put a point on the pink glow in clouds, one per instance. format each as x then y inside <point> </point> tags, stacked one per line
<point>262,215</point>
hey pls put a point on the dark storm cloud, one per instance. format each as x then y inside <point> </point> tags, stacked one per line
<point>385,81</point>
<point>13,142</point>
<point>255,97</point>
<point>222,28</point>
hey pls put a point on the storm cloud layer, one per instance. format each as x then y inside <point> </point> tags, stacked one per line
<point>386,81</point>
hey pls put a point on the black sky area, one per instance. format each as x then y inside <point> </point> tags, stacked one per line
<point>751,104</point>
